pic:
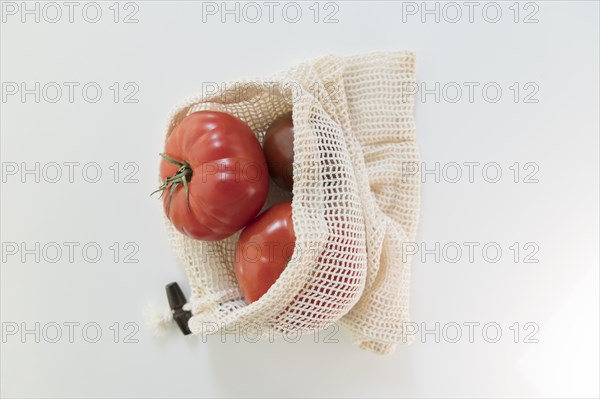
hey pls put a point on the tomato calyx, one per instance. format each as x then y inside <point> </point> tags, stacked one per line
<point>182,176</point>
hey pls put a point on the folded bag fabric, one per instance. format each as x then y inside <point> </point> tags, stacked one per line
<point>353,208</point>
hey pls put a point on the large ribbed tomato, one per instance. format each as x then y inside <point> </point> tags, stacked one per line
<point>215,177</point>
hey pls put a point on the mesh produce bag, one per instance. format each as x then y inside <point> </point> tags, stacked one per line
<point>352,206</point>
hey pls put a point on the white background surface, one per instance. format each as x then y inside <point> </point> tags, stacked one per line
<point>169,53</point>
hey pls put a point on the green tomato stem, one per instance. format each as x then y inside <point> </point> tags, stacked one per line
<point>182,176</point>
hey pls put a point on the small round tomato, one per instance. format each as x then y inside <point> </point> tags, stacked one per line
<point>263,250</point>
<point>279,151</point>
<point>215,176</point>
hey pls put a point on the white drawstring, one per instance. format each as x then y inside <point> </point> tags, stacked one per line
<point>157,319</point>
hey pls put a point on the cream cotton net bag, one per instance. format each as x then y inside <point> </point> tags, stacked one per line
<point>352,206</point>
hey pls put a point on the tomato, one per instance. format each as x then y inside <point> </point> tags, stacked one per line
<point>215,176</point>
<point>278,146</point>
<point>263,250</point>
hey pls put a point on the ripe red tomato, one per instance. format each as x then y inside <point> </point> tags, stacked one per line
<point>215,177</point>
<point>279,151</point>
<point>263,250</point>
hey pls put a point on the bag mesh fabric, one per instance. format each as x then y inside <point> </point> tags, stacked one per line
<point>353,208</point>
